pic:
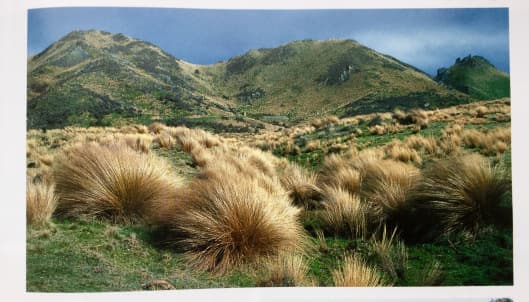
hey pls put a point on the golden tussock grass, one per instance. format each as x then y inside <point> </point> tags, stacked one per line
<point>111,181</point>
<point>490,142</point>
<point>187,144</point>
<point>263,161</point>
<point>312,146</point>
<point>46,159</point>
<point>417,117</point>
<point>481,111</point>
<point>459,194</point>
<point>204,138</point>
<point>178,132</point>
<point>318,123</point>
<point>386,185</point>
<point>338,171</point>
<point>134,129</point>
<point>40,203</point>
<point>301,186</point>
<point>402,153</point>
<point>337,148</point>
<point>138,142</point>
<point>420,143</point>
<point>221,222</point>
<point>156,128</point>
<point>390,254</point>
<point>453,129</point>
<point>344,213</point>
<point>378,130</point>
<point>285,270</point>
<point>291,148</point>
<point>355,272</point>
<point>201,156</point>
<point>399,115</point>
<point>164,140</point>
<point>451,145</point>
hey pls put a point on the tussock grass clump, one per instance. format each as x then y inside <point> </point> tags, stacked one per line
<point>418,117</point>
<point>221,222</point>
<point>378,129</point>
<point>111,181</point>
<point>188,144</point>
<point>164,140</point>
<point>492,142</point>
<point>339,171</point>
<point>156,128</point>
<point>134,129</point>
<point>40,203</point>
<point>318,123</point>
<point>390,254</point>
<point>354,272</point>
<point>386,185</point>
<point>312,146</point>
<point>301,186</point>
<point>263,161</point>
<point>481,111</point>
<point>344,213</point>
<point>459,194</point>
<point>201,156</point>
<point>286,270</point>
<point>421,143</point>
<point>403,153</point>
<point>138,142</point>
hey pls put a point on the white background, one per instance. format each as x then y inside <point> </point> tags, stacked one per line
<point>13,60</point>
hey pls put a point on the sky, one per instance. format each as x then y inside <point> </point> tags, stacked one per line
<point>425,38</point>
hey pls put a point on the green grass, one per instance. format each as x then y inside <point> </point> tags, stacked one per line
<point>485,261</point>
<point>94,255</point>
<point>85,256</point>
<point>82,257</point>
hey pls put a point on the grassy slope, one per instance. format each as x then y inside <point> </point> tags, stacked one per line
<point>111,79</point>
<point>304,79</point>
<point>97,256</point>
<point>478,78</point>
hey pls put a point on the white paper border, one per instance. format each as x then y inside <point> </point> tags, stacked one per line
<point>13,18</point>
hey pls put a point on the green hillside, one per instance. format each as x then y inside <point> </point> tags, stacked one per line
<point>309,78</point>
<point>98,78</point>
<point>476,76</point>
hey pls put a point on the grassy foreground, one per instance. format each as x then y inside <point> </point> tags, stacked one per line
<point>86,253</point>
<point>96,256</point>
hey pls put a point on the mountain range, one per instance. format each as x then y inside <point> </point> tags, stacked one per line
<point>98,78</point>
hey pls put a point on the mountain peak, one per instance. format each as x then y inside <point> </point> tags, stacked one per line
<point>476,76</point>
<point>473,61</point>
